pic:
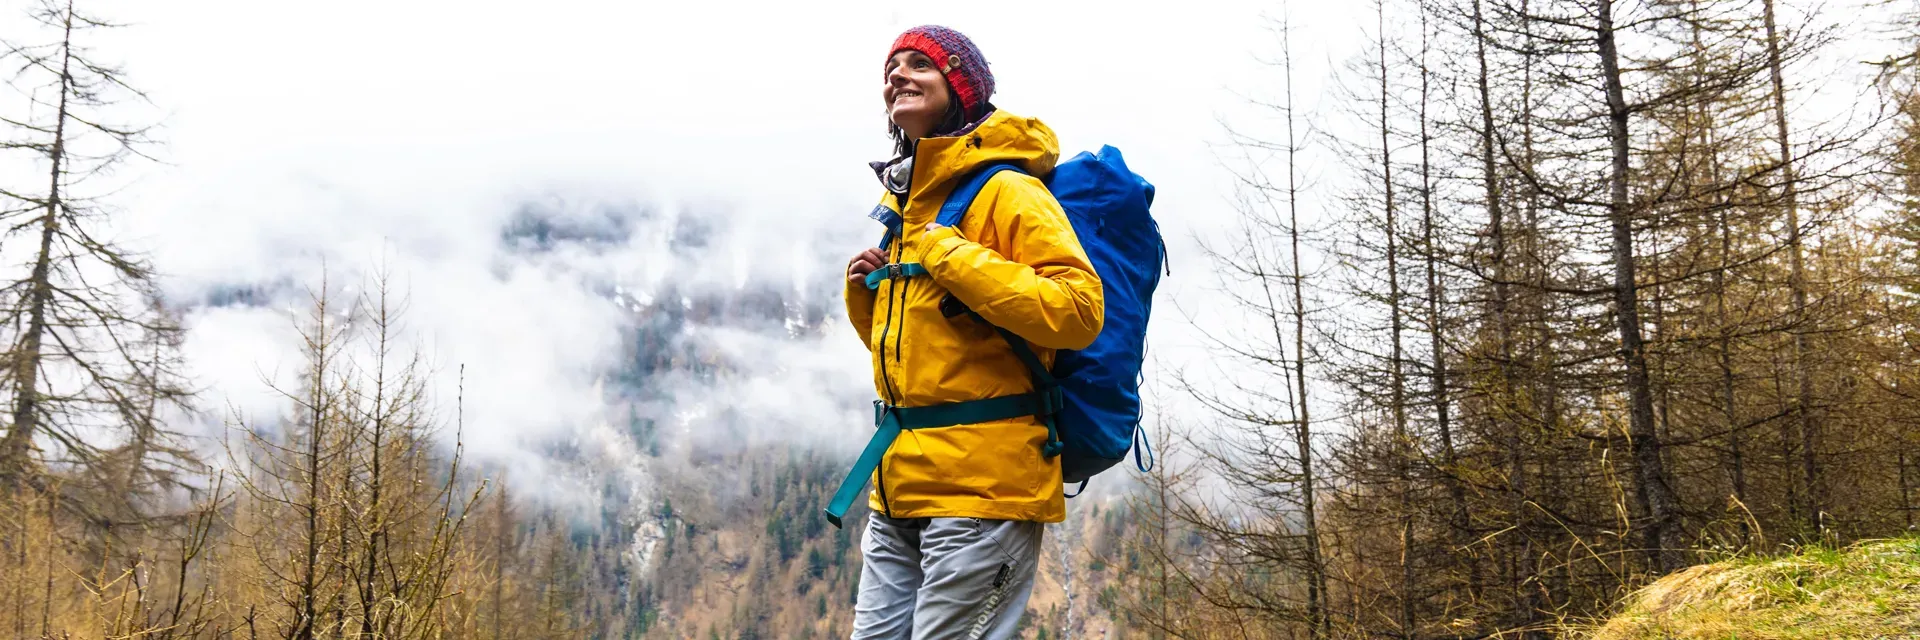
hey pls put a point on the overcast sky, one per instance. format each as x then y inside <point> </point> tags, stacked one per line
<point>361,132</point>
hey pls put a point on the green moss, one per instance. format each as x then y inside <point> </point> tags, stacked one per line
<point>1869,590</point>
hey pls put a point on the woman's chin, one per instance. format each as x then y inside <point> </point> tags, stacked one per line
<point>903,117</point>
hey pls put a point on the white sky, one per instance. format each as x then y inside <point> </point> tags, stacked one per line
<point>357,131</point>
<point>410,129</point>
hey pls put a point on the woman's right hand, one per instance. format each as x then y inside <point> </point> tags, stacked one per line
<point>864,263</point>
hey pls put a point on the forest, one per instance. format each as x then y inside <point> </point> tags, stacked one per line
<point>1605,289</point>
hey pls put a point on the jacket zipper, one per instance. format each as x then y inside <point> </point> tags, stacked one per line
<point>893,395</point>
<point>886,381</point>
<point>895,296</point>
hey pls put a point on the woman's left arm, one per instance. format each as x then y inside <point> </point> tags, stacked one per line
<point>1043,289</point>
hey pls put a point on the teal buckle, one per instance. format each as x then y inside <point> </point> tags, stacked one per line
<point>894,271</point>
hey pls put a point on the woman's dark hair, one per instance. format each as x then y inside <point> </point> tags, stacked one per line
<point>955,120</point>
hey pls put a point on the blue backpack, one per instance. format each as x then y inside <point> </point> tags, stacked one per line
<point>1090,398</point>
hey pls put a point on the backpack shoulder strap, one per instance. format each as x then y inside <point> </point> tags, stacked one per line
<point>887,217</point>
<point>951,211</point>
<point>962,197</point>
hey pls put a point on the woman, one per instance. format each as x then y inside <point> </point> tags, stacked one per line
<point>950,549</point>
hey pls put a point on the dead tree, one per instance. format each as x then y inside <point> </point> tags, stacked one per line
<point>90,346</point>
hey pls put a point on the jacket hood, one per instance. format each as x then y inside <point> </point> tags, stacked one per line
<point>941,162</point>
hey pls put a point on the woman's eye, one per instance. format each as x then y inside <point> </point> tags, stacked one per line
<point>921,64</point>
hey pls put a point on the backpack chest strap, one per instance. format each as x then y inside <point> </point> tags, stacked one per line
<point>895,271</point>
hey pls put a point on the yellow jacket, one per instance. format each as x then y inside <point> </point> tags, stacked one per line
<point>1015,261</point>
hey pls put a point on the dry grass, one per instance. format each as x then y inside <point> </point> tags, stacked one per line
<point>1870,590</point>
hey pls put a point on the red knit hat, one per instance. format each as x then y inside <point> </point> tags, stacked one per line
<point>966,70</point>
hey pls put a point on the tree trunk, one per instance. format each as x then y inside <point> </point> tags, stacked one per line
<point>26,356</point>
<point>1729,411</point>
<point>1661,531</point>
<point>377,518</point>
<point>1906,490</point>
<point>1436,300</point>
<point>1542,369</point>
<point>1496,232</point>
<point>307,607</point>
<point>1397,384</point>
<point>1723,343</point>
<point>1805,408</point>
<point>502,530</point>
<point>1317,618</point>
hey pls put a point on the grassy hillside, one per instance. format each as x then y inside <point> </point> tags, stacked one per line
<point>1868,590</point>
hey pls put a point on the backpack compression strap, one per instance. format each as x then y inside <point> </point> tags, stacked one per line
<point>1042,380</point>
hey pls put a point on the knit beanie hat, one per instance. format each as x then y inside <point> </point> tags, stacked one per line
<point>965,68</point>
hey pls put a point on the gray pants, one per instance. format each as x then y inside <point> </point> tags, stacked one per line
<point>941,578</point>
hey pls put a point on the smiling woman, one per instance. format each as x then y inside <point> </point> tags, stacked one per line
<point>917,96</point>
<point>954,538</point>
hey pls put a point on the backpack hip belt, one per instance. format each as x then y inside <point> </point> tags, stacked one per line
<point>889,421</point>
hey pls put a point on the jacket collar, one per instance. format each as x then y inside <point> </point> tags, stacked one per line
<point>938,163</point>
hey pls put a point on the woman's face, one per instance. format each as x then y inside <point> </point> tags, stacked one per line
<point>916,93</point>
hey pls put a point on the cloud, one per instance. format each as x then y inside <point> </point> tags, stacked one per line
<point>541,299</point>
<point>726,140</point>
